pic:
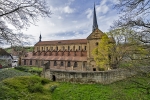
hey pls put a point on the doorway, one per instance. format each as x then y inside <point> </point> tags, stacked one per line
<point>53,78</point>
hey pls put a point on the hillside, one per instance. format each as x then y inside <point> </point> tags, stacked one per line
<point>36,88</point>
<point>27,49</point>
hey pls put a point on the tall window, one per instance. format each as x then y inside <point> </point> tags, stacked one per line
<point>85,48</point>
<point>55,63</point>
<point>73,48</point>
<point>30,62</point>
<point>42,48</point>
<point>69,64</point>
<point>79,47</point>
<point>56,48</point>
<point>62,63</point>
<point>96,43</point>
<point>51,48</point>
<point>75,64</point>
<point>68,48</point>
<point>47,48</point>
<point>24,62</point>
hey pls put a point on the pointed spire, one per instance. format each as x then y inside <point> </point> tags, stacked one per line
<point>40,38</point>
<point>95,25</point>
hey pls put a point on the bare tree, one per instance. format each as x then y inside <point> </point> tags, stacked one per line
<point>20,14</point>
<point>135,14</point>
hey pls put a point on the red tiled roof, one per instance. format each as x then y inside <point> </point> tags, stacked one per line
<point>65,58</point>
<point>77,41</point>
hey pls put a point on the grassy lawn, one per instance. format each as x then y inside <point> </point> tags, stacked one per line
<point>37,88</point>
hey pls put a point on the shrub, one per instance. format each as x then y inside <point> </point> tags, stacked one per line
<point>36,88</point>
<point>44,81</point>
<point>52,88</point>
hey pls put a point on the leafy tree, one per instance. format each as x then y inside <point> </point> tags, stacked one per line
<point>120,49</point>
<point>102,52</point>
<point>135,14</point>
<point>20,14</point>
<point>128,49</point>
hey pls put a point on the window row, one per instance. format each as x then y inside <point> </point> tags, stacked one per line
<point>55,63</point>
<point>63,48</point>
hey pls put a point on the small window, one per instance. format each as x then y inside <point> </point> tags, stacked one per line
<point>96,43</point>
<point>24,62</point>
<point>55,63</point>
<point>79,48</point>
<point>75,64</point>
<point>74,48</point>
<point>85,48</point>
<point>30,62</point>
<point>56,48</point>
<point>69,64</point>
<point>51,48</point>
<point>62,63</point>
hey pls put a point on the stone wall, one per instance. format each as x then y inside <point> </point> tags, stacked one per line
<point>104,77</point>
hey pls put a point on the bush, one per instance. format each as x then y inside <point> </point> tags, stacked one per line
<point>44,81</point>
<point>52,88</point>
<point>36,88</point>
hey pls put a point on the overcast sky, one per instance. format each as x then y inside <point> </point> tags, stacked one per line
<point>72,19</point>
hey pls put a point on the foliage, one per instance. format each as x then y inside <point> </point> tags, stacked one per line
<point>9,73</point>
<point>128,49</point>
<point>20,14</point>
<point>33,70</point>
<point>24,88</point>
<point>101,53</point>
<point>52,88</point>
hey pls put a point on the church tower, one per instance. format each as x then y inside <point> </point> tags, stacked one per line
<point>40,37</point>
<point>92,42</point>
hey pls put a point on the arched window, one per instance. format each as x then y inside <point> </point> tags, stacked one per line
<point>69,64</point>
<point>30,62</point>
<point>62,63</point>
<point>55,63</point>
<point>75,64</point>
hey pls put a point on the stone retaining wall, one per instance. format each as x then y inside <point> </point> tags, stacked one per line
<point>104,77</point>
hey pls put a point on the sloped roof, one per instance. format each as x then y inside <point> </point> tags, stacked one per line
<point>4,53</point>
<point>58,42</point>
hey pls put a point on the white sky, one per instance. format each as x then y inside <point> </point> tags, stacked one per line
<point>72,19</point>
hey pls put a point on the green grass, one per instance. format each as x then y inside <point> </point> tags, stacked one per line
<point>37,88</point>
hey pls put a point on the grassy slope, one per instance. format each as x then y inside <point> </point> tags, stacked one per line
<point>36,88</point>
